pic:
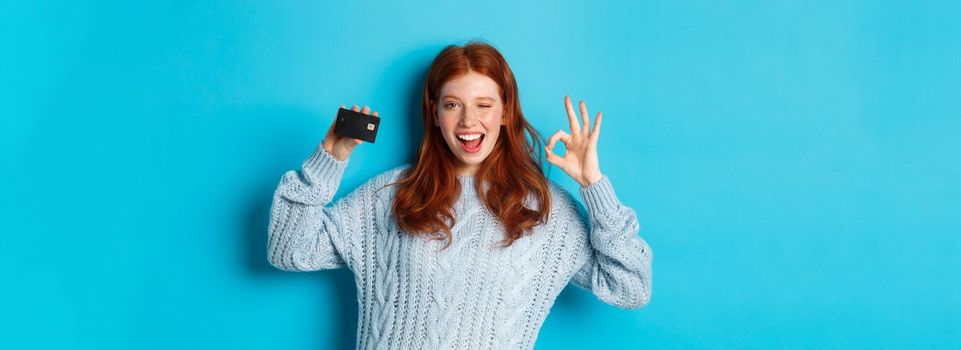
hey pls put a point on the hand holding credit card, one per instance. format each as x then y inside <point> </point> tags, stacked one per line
<point>350,128</point>
<point>356,125</point>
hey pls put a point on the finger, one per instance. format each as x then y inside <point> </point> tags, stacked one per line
<point>559,135</point>
<point>553,158</point>
<point>375,113</point>
<point>584,117</point>
<point>355,108</point>
<point>366,110</point>
<point>596,133</point>
<point>571,117</point>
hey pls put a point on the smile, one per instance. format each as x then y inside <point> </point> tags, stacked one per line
<point>471,143</point>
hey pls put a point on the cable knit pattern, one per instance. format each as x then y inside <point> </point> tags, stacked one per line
<point>473,295</point>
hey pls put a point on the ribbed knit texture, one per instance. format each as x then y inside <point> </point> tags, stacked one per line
<point>474,295</point>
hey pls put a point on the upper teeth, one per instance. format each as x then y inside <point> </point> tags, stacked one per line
<point>469,137</point>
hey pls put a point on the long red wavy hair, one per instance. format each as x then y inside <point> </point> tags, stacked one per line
<point>513,171</point>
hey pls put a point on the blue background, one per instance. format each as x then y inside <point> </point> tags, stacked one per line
<point>794,165</point>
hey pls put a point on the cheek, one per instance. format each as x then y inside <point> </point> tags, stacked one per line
<point>493,117</point>
<point>445,121</point>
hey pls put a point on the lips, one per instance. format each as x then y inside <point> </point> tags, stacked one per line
<point>471,142</point>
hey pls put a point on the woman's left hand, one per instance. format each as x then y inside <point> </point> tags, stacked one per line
<point>580,160</point>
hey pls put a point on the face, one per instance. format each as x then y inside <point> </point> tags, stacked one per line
<point>469,113</point>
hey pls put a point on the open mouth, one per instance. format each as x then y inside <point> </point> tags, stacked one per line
<point>471,143</point>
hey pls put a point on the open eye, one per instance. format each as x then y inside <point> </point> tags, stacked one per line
<point>450,105</point>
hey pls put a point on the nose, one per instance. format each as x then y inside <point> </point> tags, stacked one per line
<point>468,117</point>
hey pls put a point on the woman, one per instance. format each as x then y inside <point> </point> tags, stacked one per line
<point>469,246</point>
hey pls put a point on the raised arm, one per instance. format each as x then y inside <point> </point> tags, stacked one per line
<point>616,267</point>
<point>306,235</point>
<point>301,231</point>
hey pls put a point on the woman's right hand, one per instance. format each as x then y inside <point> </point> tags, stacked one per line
<point>342,146</point>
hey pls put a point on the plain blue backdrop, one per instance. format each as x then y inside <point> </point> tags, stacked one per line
<point>794,165</point>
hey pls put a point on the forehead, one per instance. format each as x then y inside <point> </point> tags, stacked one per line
<point>471,85</point>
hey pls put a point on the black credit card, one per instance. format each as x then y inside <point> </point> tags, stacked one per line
<point>356,125</point>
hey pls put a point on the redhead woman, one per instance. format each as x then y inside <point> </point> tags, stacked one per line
<point>469,246</point>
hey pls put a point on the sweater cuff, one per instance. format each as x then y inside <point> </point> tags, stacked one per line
<point>600,199</point>
<point>321,166</point>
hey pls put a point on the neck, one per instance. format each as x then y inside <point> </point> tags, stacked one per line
<point>467,170</point>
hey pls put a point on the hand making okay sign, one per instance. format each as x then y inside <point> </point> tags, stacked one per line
<point>580,160</point>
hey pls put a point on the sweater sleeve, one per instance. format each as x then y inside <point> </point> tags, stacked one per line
<point>617,265</point>
<point>306,235</point>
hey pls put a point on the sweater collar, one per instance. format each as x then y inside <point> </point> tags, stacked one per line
<point>467,186</point>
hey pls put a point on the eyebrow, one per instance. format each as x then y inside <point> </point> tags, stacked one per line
<point>457,98</point>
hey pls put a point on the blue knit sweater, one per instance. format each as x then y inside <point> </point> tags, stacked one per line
<point>412,295</point>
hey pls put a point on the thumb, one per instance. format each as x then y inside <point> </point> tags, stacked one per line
<point>350,143</point>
